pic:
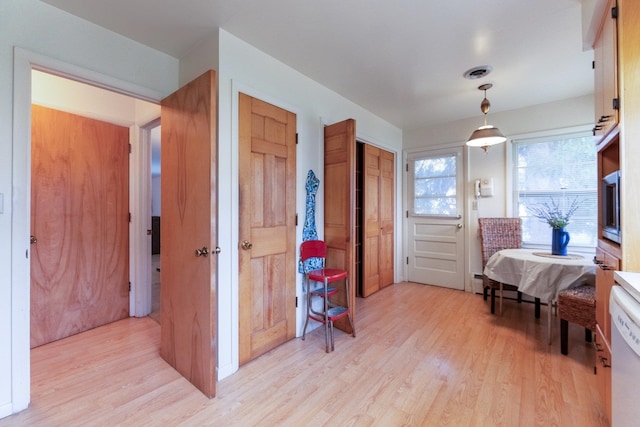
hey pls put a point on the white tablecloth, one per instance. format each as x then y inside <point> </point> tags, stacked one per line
<point>538,275</point>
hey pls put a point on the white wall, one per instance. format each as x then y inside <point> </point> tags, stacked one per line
<point>246,69</point>
<point>61,38</point>
<point>557,115</point>
<point>89,101</point>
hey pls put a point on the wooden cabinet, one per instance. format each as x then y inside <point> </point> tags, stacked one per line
<point>618,149</point>
<point>605,72</point>
<point>629,129</point>
<point>606,263</point>
<point>602,369</point>
<point>607,260</point>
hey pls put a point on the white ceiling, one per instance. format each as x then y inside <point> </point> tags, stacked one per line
<point>403,60</point>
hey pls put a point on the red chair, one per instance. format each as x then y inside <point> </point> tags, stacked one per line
<point>330,312</point>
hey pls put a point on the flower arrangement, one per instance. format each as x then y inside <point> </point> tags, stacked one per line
<point>552,214</point>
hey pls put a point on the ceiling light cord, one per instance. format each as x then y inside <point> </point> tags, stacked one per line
<point>485,135</point>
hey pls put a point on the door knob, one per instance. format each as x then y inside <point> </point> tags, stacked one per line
<point>217,250</point>
<point>202,252</point>
<point>459,226</point>
<point>33,240</point>
<point>246,245</point>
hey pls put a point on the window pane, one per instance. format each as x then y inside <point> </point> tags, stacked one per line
<point>557,170</point>
<point>434,191</point>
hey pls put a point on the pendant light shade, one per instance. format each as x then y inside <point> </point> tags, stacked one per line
<point>486,135</point>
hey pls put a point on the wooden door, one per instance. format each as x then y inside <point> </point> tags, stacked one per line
<point>378,208</point>
<point>189,212</point>
<point>80,223</point>
<point>267,259</point>
<point>387,220</point>
<point>371,220</point>
<point>339,206</point>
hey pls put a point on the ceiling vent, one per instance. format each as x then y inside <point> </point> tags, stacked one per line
<point>477,72</point>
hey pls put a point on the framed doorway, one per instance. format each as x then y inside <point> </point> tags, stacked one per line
<point>24,63</point>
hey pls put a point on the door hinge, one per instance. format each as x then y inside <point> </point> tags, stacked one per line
<point>296,220</point>
<point>130,148</point>
<point>406,167</point>
<point>407,260</point>
<point>593,65</point>
<point>614,12</point>
<point>296,139</point>
<point>615,103</point>
<point>296,302</point>
<point>407,214</point>
<point>129,286</point>
<point>129,216</point>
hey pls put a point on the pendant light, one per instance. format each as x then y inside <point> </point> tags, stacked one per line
<point>485,135</point>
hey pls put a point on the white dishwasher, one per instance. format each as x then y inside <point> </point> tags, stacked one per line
<point>624,308</point>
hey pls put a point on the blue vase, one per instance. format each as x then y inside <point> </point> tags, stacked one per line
<point>559,241</point>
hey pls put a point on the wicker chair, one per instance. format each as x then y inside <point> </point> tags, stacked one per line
<point>577,305</point>
<point>497,234</point>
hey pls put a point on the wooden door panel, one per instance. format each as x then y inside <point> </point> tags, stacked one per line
<point>378,219</point>
<point>189,210</point>
<point>371,220</point>
<point>79,215</point>
<point>339,206</point>
<point>387,221</point>
<point>267,220</point>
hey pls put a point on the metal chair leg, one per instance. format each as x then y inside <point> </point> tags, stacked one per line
<point>306,322</point>
<point>333,347</point>
<point>326,319</point>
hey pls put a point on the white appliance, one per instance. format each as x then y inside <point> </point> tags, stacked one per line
<point>624,308</point>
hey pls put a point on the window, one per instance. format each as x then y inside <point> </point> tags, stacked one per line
<point>434,185</point>
<point>557,169</point>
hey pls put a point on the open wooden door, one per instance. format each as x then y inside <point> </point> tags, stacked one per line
<point>339,205</point>
<point>188,262</point>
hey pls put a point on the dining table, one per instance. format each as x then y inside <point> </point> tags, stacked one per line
<point>540,274</point>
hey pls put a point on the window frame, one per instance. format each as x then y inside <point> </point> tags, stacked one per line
<point>422,155</point>
<point>511,170</point>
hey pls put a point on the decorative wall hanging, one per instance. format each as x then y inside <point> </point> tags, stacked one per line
<point>309,231</point>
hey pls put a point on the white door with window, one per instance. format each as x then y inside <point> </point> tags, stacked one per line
<point>435,218</point>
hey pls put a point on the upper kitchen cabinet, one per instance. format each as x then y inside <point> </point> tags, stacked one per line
<point>606,71</point>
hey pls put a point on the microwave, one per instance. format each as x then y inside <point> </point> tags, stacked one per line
<point>611,207</point>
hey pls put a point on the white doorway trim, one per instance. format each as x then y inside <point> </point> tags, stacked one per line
<point>24,62</point>
<point>140,205</point>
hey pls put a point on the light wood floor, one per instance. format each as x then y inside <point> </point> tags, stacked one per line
<point>423,356</point>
